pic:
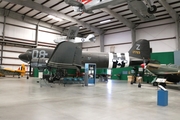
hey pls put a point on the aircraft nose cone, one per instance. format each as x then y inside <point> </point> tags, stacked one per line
<point>24,57</point>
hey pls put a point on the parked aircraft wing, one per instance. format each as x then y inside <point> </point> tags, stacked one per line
<point>66,55</point>
<point>6,71</point>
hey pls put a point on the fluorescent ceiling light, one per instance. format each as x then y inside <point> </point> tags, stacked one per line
<point>55,18</point>
<point>105,21</point>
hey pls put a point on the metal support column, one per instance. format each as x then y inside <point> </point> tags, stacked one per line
<point>37,32</point>
<point>133,35</point>
<point>36,43</point>
<point>101,38</point>
<point>177,29</point>
<point>3,37</point>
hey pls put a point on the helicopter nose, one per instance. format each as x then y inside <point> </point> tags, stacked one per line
<point>24,57</point>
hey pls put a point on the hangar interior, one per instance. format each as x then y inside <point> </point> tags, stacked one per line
<point>26,24</point>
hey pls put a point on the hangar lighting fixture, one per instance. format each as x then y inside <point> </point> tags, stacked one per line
<point>55,18</point>
<point>105,21</point>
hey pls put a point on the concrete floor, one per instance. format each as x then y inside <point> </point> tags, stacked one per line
<point>22,99</point>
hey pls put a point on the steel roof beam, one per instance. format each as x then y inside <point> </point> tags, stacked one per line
<point>175,17</point>
<point>55,13</point>
<point>169,9</point>
<point>27,19</point>
<point>119,17</point>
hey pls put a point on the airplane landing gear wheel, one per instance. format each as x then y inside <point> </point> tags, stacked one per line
<point>131,82</point>
<point>155,84</point>
<point>152,9</point>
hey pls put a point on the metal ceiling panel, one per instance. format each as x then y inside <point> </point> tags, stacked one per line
<point>64,22</point>
<point>52,21</point>
<point>120,9</point>
<point>60,6</point>
<point>160,9</point>
<point>3,4</point>
<point>58,23</point>
<point>115,6</point>
<point>46,19</point>
<point>175,5</point>
<point>17,7</point>
<point>160,13</point>
<point>40,15</point>
<point>69,24</point>
<point>24,10</point>
<point>134,19</point>
<point>129,16</point>
<point>81,16</point>
<point>162,17</point>
<point>9,6</point>
<point>51,3</point>
<point>170,1</point>
<point>72,13</point>
<point>124,12</point>
<point>177,10</point>
<point>95,16</point>
<point>66,9</point>
<point>57,7</point>
<point>109,25</point>
<point>32,13</point>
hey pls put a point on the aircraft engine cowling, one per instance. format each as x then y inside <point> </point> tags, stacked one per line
<point>39,62</point>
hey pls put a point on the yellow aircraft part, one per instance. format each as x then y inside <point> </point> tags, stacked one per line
<point>9,69</point>
<point>2,75</point>
<point>21,70</point>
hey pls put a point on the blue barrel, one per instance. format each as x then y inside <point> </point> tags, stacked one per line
<point>162,98</point>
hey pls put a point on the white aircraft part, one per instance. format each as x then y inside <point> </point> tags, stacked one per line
<point>118,55</point>
<point>89,38</point>
<point>77,9</point>
<point>119,59</point>
<point>127,59</point>
<point>123,57</point>
<point>161,80</point>
<point>160,86</point>
<point>60,39</point>
<point>110,60</point>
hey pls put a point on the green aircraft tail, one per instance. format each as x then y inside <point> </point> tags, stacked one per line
<point>141,49</point>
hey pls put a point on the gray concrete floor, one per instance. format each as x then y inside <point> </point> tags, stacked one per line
<point>22,99</point>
